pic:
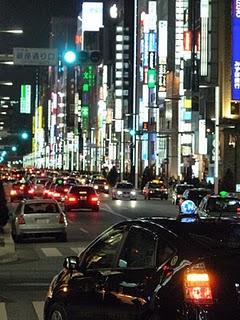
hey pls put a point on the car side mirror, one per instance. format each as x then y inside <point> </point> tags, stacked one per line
<point>71,263</point>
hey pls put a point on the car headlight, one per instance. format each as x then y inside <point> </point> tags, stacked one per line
<point>133,193</point>
<point>106,187</point>
<point>119,192</point>
<point>95,187</point>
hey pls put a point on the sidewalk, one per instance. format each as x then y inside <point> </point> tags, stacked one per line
<point>7,246</point>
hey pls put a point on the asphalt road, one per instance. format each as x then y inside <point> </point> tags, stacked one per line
<point>24,283</point>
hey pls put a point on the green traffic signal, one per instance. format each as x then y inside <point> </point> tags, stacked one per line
<point>24,135</point>
<point>70,57</point>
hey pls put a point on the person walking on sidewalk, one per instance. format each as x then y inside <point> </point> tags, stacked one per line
<point>4,213</point>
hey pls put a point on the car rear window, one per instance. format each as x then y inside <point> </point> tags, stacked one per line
<point>156,185</point>
<point>77,190</point>
<point>41,208</point>
<point>124,186</point>
<point>210,235</point>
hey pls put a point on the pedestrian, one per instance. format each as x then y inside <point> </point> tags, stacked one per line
<point>4,213</point>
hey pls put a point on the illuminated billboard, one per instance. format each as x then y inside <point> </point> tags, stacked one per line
<point>235,49</point>
<point>92,16</point>
<point>25,100</point>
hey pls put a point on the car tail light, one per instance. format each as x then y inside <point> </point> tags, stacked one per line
<point>56,194</point>
<point>65,190</point>
<point>71,199</point>
<point>31,191</point>
<point>21,219</point>
<point>94,199</point>
<point>178,196</point>
<point>238,211</point>
<point>197,287</point>
<point>13,192</point>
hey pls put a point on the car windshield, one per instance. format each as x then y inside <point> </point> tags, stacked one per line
<point>100,181</point>
<point>41,207</point>
<point>156,185</point>
<point>198,194</point>
<point>77,190</point>
<point>124,186</point>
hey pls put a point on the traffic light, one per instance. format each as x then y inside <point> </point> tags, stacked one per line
<point>70,57</point>
<point>24,135</point>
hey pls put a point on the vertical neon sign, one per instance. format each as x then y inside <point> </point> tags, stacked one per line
<point>236,50</point>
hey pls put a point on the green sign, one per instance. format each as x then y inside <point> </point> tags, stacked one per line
<point>85,117</point>
<point>25,100</point>
<point>89,76</point>
<point>151,78</point>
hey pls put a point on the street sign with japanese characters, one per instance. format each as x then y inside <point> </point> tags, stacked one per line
<point>35,56</point>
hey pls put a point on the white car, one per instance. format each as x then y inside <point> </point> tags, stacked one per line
<point>124,190</point>
<point>39,217</point>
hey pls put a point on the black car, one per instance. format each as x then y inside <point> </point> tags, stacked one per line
<point>81,197</point>
<point>184,271</point>
<point>216,205</point>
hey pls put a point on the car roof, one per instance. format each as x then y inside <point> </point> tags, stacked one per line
<point>31,201</point>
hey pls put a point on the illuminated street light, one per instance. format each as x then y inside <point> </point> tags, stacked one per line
<point>113,11</point>
<point>6,83</point>
<point>24,135</point>
<point>14,31</point>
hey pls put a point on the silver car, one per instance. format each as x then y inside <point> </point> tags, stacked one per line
<point>124,190</point>
<point>39,217</point>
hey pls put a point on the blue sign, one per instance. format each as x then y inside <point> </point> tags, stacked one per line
<point>235,50</point>
<point>188,207</point>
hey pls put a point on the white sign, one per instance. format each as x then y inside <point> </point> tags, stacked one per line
<point>92,16</point>
<point>35,56</point>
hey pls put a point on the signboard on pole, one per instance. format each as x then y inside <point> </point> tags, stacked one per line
<point>25,100</point>
<point>35,56</point>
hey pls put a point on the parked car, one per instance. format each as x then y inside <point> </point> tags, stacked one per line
<point>195,194</point>
<point>216,206</point>
<point>178,191</point>
<point>155,189</point>
<point>124,191</point>
<point>81,197</point>
<point>39,217</point>
<point>184,271</point>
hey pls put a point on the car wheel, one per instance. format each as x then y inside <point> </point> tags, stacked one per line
<point>17,238</point>
<point>57,312</point>
<point>149,197</point>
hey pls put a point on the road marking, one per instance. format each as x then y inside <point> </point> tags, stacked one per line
<point>38,306</point>
<point>3,311</point>
<point>109,210</point>
<point>51,252</point>
<point>78,250</point>
<point>83,230</point>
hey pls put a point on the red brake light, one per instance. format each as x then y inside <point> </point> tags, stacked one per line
<point>31,191</point>
<point>94,198</point>
<point>65,190</point>
<point>238,211</point>
<point>21,219</point>
<point>56,194</point>
<point>71,199</point>
<point>197,287</point>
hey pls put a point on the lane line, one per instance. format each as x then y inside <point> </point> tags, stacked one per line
<point>109,210</point>
<point>51,252</point>
<point>3,311</point>
<point>84,230</point>
<point>38,306</point>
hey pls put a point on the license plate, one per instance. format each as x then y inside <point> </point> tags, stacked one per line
<point>44,221</point>
<point>83,198</point>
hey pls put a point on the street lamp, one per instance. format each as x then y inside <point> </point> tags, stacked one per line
<point>14,31</point>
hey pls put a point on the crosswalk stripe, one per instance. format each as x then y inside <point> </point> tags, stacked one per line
<point>51,252</point>
<point>38,306</point>
<point>3,312</point>
<point>78,250</point>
